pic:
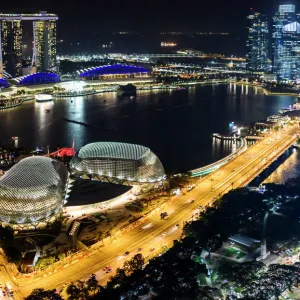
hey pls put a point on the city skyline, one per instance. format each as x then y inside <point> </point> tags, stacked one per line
<point>11,44</point>
<point>257,42</point>
<point>181,114</point>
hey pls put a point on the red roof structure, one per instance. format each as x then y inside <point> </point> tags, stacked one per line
<point>62,152</point>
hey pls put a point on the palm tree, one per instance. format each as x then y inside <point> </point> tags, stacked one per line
<point>92,284</point>
<point>73,292</point>
<point>41,294</point>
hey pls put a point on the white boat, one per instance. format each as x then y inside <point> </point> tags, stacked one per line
<point>43,97</point>
<point>285,109</point>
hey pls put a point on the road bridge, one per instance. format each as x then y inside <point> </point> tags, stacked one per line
<point>152,231</point>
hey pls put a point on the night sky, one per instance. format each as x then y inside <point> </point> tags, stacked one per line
<point>86,19</point>
<point>138,15</point>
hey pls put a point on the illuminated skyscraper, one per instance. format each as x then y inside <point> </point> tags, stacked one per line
<point>11,41</point>
<point>44,53</point>
<point>257,43</point>
<point>44,49</point>
<point>286,43</point>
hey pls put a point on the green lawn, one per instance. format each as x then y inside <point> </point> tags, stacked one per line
<point>198,259</point>
<point>213,275</point>
<point>202,278</point>
<point>240,255</point>
<point>231,252</point>
<point>234,252</point>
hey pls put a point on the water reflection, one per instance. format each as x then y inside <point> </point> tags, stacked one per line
<point>290,168</point>
<point>176,125</point>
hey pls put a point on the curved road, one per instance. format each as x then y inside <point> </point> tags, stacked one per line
<point>157,233</point>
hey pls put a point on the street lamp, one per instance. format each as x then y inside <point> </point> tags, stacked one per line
<point>211,181</point>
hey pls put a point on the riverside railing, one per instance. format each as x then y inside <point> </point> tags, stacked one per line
<point>212,167</point>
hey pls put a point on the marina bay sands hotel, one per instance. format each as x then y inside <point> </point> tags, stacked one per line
<point>44,43</point>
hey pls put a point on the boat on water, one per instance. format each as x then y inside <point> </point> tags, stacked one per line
<point>278,119</point>
<point>293,107</point>
<point>43,97</point>
<point>128,90</point>
<point>181,88</point>
<point>286,109</point>
<point>47,110</point>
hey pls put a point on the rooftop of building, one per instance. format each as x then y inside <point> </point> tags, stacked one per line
<point>113,69</point>
<point>42,15</point>
<point>113,150</point>
<point>243,240</point>
<point>34,171</point>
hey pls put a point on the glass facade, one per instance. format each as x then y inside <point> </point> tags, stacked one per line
<point>32,190</point>
<point>44,55</point>
<point>286,43</point>
<point>11,41</point>
<point>257,43</point>
<point>44,45</point>
<point>128,162</point>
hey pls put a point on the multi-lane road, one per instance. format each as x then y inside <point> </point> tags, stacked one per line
<point>157,233</point>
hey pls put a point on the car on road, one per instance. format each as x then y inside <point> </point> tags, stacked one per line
<point>176,226</point>
<point>139,249</point>
<point>126,253</point>
<point>164,215</point>
<point>109,270</point>
<point>192,201</point>
<point>164,233</point>
<point>151,249</point>
<point>106,268</point>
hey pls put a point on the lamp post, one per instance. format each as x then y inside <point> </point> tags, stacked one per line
<point>211,187</point>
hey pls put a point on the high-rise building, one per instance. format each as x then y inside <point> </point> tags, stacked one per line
<point>44,54</point>
<point>257,43</point>
<point>11,40</point>
<point>286,43</point>
<point>44,49</point>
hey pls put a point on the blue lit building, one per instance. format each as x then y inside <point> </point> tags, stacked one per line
<point>37,78</point>
<point>3,83</point>
<point>113,71</point>
<point>257,43</point>
<point>286,43</point>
